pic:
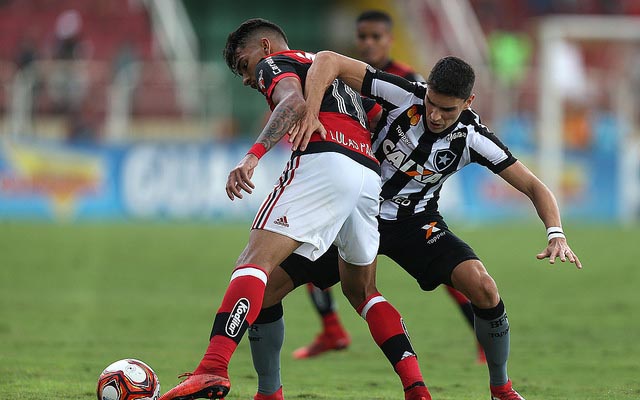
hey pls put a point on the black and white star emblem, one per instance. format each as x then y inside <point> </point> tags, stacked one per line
<point>443,159</point>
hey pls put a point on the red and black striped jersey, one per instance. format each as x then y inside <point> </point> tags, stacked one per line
<point>403,70</point>
<point>341,111</point>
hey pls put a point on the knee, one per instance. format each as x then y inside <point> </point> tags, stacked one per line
<point>473,280</point>
<point>486,293</point>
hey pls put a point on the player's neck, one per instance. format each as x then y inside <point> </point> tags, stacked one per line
<point>382,65</point>
<point>279,49</point>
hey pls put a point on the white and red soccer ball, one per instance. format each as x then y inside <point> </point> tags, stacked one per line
<point>128,379</point>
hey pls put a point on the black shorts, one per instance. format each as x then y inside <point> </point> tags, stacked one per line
<point>322,272</point>
<point>424,246</point>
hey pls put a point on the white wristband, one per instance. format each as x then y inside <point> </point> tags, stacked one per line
<point>554,232</point>
<point>555,235</point>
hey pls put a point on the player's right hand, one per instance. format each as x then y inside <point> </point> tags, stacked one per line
<point>300,133</point>
<point>240,177</point>
<point>558,248</point>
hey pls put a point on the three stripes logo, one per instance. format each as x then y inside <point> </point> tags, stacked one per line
<point>282,221</point>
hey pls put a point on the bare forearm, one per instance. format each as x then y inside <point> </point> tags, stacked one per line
<point>321,74</point>
<point>284,116</point>
<point>546,206</point>
<point>326,67</point>
<point>521,178</point>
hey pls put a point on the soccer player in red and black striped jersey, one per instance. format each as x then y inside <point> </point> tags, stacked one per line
<point>328,193</point>
<point>374,39</point>
<point>428,134</point>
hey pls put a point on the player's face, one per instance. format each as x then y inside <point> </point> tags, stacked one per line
<point>443,111</point>
<point>374,39</point>
<point>247,58</point>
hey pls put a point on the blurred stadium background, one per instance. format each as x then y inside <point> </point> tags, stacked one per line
<point>124,109</point>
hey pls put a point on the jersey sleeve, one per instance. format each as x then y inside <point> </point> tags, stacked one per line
<point>371,108</point>
<point>415,77</point>
<point>270,71</point>
<point>487,150</point>
<point>391,91</point>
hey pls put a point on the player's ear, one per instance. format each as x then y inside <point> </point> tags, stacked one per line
<point>266,46</point>
<point>467,103</point>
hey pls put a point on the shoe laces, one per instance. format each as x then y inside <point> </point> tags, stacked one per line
<point>185,375</point>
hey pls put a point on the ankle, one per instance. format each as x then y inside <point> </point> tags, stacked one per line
<point>331,321</point>
<point>277,395</point>
<point>417,393</point>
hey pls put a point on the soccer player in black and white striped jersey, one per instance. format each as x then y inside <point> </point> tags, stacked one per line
<point>374,39</point>
<point>426,134</point>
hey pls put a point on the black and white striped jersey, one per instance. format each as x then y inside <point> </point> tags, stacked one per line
<point>414,161</point>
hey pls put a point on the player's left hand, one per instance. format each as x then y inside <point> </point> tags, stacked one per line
<point>240,177</point>
<point>558,248</point>
<point>300,133</point>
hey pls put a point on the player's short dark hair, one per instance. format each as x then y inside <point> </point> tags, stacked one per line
<point>375,16</point>
<point>452,76</point>
<point>239,37</point>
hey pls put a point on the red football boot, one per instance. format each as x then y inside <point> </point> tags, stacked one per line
<point>417,393</point>
<point>505,392</point>
<point>334,339</point>
<point>201,386</point>
<point>481,358</point>
<point>275,396</point>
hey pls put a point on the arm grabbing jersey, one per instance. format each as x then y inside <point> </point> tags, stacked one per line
<point>341,112</point>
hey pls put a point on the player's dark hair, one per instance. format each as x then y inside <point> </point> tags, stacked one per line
<point>452,76</point>
<point>375,16</point>
<point>239,37</point>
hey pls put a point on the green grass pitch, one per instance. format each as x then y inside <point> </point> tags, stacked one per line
<point>74,298</point>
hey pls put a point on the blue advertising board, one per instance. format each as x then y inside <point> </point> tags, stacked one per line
<point>187,182</point>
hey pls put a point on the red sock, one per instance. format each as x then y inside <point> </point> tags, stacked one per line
<point>388,331</point>
<point>240,307</point>
<point>331,321</point>
<point>459,297</point>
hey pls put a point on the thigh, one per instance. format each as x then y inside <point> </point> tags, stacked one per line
<point>424,246</point>
<point>266,249</point>
<point>359,238</point>
<point>313,198</point>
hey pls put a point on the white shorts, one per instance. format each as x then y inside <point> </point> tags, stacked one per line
<point>325,198</point>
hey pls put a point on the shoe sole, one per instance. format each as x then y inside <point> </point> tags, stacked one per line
<point>211,392</point>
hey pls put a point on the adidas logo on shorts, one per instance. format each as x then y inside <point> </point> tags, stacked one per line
<point>282,221</point>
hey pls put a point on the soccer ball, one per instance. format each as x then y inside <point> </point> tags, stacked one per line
<point>128,379</point>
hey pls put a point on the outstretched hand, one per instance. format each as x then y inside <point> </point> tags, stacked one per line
<point>300,133</point>
<point>240,177</point>
<point>558,248</point>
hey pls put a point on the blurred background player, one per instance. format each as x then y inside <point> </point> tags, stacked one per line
<point>374,39</point>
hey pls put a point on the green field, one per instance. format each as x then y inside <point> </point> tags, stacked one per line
<point>74,298</point>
